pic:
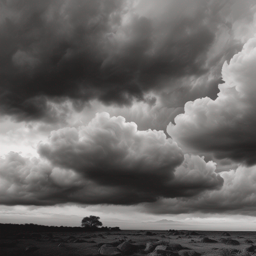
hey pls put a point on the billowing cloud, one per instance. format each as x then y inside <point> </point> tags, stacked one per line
<point>237,196</point>
<point>30,181</point>
<point>195,175</point>
<point>110,147</point>
<point>224,126</point>
<point>106,162</point>
<point>141,61</point>
<point>112,51</point>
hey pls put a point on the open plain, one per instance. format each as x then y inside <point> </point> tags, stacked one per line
<point>152,243</point>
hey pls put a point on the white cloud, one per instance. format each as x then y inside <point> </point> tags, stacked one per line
<point>224,126</point>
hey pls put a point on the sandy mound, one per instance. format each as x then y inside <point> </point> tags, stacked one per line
<point>163,253</point>
<point>229,241</point>
<point>228,252</point>
<point>225,234</point>
<point>193,233</point>
<point>251,248</point>
<point>127,248</point>
<point>208,240</point>
<point>109,250</point>
<point>188,253</point>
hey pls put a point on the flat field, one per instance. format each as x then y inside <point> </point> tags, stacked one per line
<point>153,243</point>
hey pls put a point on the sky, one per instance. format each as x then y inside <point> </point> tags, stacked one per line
<point>141,112</point>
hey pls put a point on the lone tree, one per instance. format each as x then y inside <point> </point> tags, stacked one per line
<point>91,222</point>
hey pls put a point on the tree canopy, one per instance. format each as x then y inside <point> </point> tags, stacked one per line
<point>91,222</point>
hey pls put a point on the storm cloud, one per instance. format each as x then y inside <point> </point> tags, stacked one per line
<point>107,162</point>
<point>237,196</point>
<point>136,103</point>
<point>112,51</point>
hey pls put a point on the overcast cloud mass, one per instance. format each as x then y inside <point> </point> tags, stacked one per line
<point>142,104</point>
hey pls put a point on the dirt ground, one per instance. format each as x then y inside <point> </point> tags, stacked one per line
<point>183,243</point>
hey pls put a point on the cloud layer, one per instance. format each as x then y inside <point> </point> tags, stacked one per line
<point>224,126</point>
<point>237,196</point>
<point>109,162</point>
<point>141,61</point>
<point>112,51</point>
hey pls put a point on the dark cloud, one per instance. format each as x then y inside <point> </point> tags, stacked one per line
<point>224,126</point>
<point>237,196</point>
<point>143,60</point>
<point>52,48</point>
<point>107,50</point>
<point>107,162</point>
<point>25,181</point>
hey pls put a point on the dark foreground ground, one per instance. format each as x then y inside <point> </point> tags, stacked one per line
<point>177,243</point>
